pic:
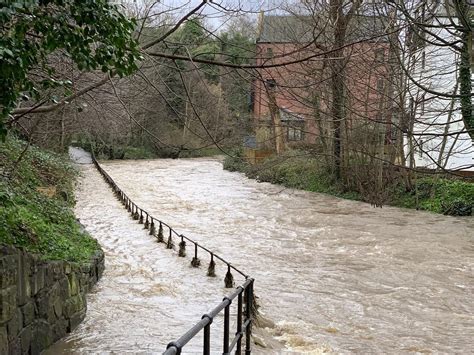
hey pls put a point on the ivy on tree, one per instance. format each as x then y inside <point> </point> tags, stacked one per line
<point>93,33</point>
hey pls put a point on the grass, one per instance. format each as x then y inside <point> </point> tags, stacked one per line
<point>301,171</point>
<point>294,170</point>
<point>36,200</point>
<point>446,196</point>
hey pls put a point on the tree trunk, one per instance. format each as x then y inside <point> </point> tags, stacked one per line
<point>337,81</point>
<point>276,121</point>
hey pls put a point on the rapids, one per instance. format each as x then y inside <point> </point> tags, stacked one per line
<point>332,275</point>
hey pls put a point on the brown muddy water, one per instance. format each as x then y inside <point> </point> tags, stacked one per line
<point>333,275</point>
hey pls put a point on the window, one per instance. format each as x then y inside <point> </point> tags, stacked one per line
<point>381,103</point>
<point>380,89</point>
<point>422,104</point>
<point>380,85</point>
<point>410,115</point>
<point>380,55</point>
<point>294,134</point>
<point>271,84</point>
<point>269,52</point>
<point>293,124</point>
<point>393,134</point>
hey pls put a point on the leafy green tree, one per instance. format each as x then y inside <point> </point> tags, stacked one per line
<point>238,48</point>
<point>193,39</point>
<point>192,32</point>
<point>93,33</point>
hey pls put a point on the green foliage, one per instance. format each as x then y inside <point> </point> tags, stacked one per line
<point>296,170</point>
<point>466,84</point>
<point>232,47</point>
<point>446,196</point>
<point>93,33</point>
<point>192,32</point>
<point>238,49</point>
<point>30,218</point>
<point>236,162</point>
<point>194,41</point>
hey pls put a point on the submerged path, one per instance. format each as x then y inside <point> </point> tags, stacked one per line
<point>332,274</point>
<point>147,296</point>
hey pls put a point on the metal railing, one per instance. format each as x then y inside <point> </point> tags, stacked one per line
<point>244,293</point>
<point>243,326</point>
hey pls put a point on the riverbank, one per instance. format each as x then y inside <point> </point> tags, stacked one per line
<point>304,172</point>
<point>47,262</point>
<point>126,152</point>
<point>36,199</point>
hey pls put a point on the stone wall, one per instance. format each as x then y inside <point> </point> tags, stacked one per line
<point>41,301</point>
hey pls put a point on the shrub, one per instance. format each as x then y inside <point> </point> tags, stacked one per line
<point>35,204</point>
<point>297,169</point>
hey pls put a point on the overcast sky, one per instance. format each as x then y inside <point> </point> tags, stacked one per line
<point>214,14</point>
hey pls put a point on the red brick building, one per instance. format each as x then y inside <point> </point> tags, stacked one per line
<point>301,87</point>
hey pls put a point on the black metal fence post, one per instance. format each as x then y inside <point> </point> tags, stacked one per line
<point>147,222</point>
<point>248,315</point>
<point>207,340</point>
<point>195,262</point>
<point>244,293</point>
<point>169,244</point>
<point>182,247</point>
<point>238,351</point>
<point>225,348</point>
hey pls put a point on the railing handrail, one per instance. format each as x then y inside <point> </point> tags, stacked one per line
<point>175,346</point>
<point>207,319</point>
<point>112,182</point>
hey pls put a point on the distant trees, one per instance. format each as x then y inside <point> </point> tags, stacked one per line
<point>189,104</point>
<point>362,89</point>
<point>52,90</point>
<point>92,34</point>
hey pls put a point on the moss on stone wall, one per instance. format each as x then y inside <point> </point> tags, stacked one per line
<point>41,301</point>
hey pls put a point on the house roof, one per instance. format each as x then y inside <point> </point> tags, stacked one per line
<point>287,115</point>
<point>304,29</point>
<point>284,29</point>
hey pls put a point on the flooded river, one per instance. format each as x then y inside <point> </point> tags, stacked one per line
<point>333,275</point>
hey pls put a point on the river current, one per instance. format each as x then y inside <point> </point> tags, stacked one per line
<point>332,275</point>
